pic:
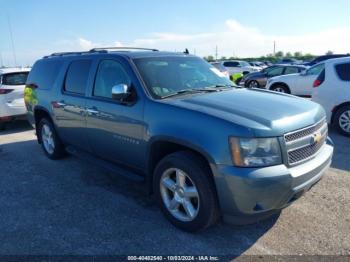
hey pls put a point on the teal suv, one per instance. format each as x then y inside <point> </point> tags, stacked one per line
<point>206,149</point>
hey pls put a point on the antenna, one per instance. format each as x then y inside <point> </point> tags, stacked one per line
<point>12,42</point>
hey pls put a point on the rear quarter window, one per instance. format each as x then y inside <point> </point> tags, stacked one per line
<point>44,73</point>
<point>343,71</point>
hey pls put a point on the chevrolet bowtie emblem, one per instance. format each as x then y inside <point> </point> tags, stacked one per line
<point>316,138</point>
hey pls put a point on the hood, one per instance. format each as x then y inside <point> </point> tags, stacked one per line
<point>264,113</point>
<point>253,75</point>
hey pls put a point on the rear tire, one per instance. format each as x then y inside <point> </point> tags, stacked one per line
<point>342,120</point>
<point>185,191</point>
<point>280,88</point>
<point>50,142</point>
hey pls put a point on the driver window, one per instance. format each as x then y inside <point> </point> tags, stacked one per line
<point>275,72</point>
<point>110,73</point>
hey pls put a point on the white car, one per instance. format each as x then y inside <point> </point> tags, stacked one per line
<point>299,84</point>
<point>12,83</point>
<point>239,67</point>
<point>332,91</point>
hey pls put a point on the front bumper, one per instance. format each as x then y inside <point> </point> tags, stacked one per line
<point>247,195</point>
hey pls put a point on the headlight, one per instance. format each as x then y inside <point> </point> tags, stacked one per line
<point>254,152</point>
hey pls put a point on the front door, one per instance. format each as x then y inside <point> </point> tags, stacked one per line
<point>115,129</point>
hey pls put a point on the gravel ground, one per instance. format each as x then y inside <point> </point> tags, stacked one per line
<point>72,207</point>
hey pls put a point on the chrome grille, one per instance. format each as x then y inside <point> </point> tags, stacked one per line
<point>305,153</point>
<point>304,132</point>
<point>303,144</point>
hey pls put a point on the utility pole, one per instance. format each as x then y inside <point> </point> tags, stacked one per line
<point>274,48</point>
<point>1,61</point>
<point>12,43</point>
<point>216,53</point>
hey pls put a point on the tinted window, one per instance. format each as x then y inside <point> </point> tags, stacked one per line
<point>44,73</point>
<point>291,70</point>
<point>77,76</point>
<point>109,74</point>
<point>316,70</point>
<point>343,71</point>
<point>275,72</point>
<point>231,64</point>
<point>14,79</point>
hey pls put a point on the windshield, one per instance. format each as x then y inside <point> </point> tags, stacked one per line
<point>244,63</point>
<point>168,75</point>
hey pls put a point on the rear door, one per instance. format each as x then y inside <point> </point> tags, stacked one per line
<point>115,129</point>
<point>70,108</point>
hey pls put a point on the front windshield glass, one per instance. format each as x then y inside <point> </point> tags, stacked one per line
<point>168,75</point>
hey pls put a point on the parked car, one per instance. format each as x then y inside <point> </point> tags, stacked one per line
<point>259,79</point>
<point>296,84</point>
<point>324,58</point>
<point>239,67</point>
<point>331,90</point>
<point>203,147</point>
<point>221,68</point>
<point>258,64</point>
<point>288,61</point>
<point>12,106</point>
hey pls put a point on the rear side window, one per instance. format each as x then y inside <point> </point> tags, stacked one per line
<point>44,73</point>
<point>14,79</point>
<point>77,77</point>
<point>291,70</point>
<point>343,71</point>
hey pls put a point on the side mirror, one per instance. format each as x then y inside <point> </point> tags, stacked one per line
<point>120,92</point>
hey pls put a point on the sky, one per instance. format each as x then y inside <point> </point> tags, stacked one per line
<point>237,28</point>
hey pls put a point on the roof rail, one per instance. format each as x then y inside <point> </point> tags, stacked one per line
<point>122,48</point>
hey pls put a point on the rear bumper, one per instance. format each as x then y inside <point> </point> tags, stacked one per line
<point>247,195</point>
<point>11,109</point>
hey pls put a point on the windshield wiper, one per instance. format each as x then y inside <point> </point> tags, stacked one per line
<point>191,91</point>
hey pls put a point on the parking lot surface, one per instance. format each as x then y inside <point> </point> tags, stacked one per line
<point>73,207</point>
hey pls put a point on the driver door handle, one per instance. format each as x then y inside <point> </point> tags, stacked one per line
<point>92,111</point>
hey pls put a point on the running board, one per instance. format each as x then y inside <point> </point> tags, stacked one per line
<point>113,168</point>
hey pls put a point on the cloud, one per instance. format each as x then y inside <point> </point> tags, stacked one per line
<point>232,39</point>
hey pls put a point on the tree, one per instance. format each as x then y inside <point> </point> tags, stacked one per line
<point>223,58</point>
<point>298,54</point>
<point>279,54</point>
<point>209,58</point>
<point>329,52</point>
<point>288,54</point>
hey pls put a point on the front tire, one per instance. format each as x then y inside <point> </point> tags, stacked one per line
<point>253,84</point>
<point>185,191</point>
<point>280,88</point>
<point>342,120</point>
<point>49,139</point>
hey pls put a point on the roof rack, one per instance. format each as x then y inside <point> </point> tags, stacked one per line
<point>122,48</point>
<point>99,50</point>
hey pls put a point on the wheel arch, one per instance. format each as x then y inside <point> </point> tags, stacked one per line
<point>162,146</point>
<point>337,108</point>
<point>40,113</point>
<point>281,84</point>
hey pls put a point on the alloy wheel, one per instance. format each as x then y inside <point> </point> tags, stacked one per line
<point>179,194</point>
<point>47,139</point>
<point>344,121</point>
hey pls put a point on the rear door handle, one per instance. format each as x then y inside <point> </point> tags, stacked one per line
<point>92,111</point>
